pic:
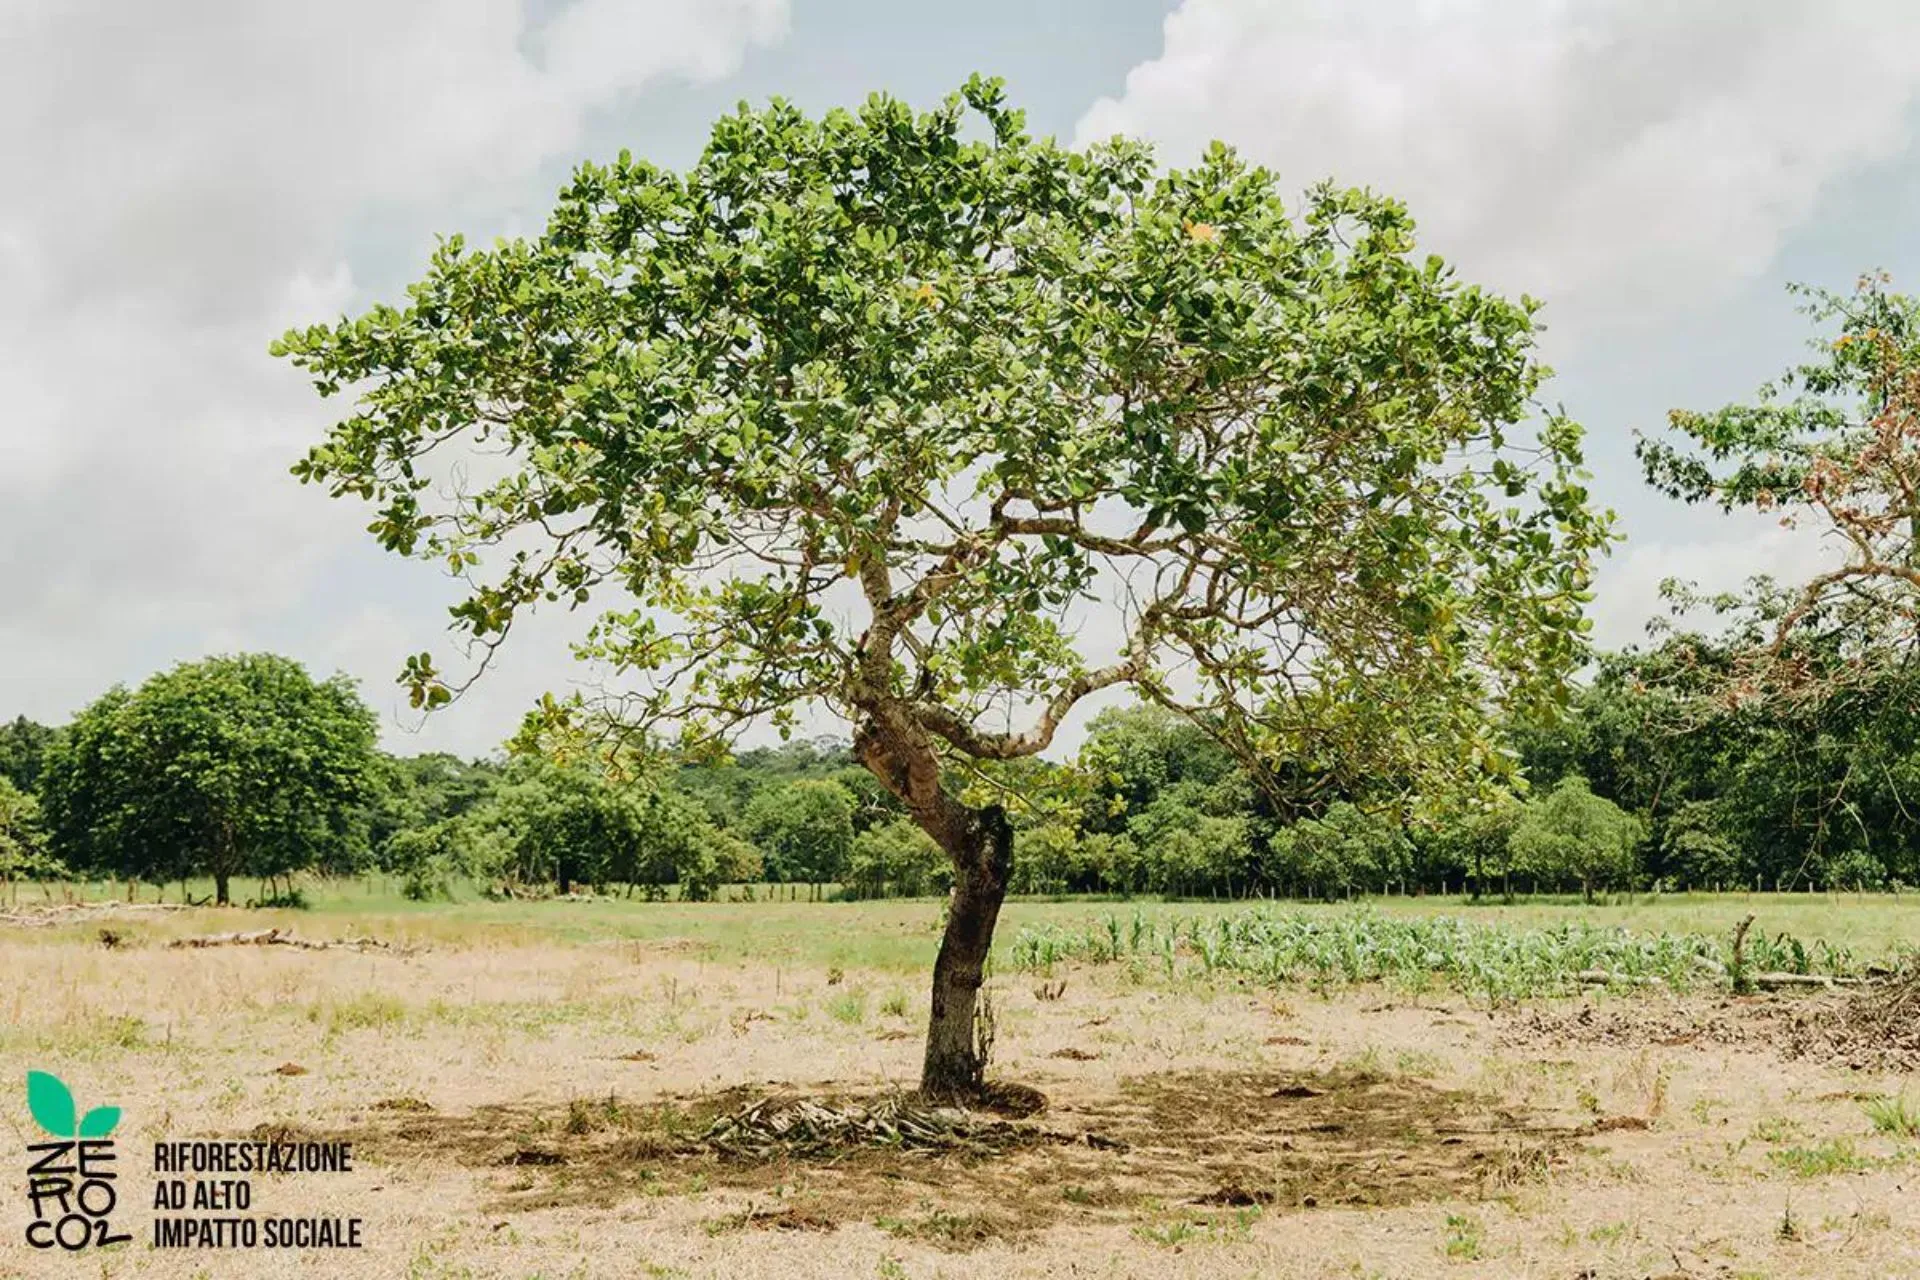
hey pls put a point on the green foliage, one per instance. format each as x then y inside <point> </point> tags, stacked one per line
<point>971,378</point>
<point>1055,857</point>
<point>1348,850</point>
<point>23,848</point>
<point>418,793</point>
<point>23,746</point>
<point>575,823</point>
<point>1763,791</point>
<point>898,859</point>
<point>1183,847</point>
<point>1363,945</point>
<point>1893,1114</point>
<point>1829,445</point>
<point>224,767</point>
<point>1134,754</point>
<point>803,829</point>
<point>429,859</point>
<point>1570,834</point>
<point>1475,843</point>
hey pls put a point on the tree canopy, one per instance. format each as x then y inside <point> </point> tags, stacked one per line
<point>946,428</point>
<point>228,766</point>
<point>1833,446</point>
<point>1571,832</point>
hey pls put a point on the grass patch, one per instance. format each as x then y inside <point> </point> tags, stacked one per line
<point>944,1230</point>
<point>849,1007</point>
<point>1893,1115</point>
<point>369,1009</point>
<point>1824,1159</point>
<point>1464,1238</point>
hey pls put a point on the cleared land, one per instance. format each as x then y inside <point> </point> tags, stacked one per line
<point>616,1089</point>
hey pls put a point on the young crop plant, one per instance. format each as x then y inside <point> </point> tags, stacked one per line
<point>1499,963</point>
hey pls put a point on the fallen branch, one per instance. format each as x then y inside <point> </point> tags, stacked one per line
<point>1785,981</point>
<point>1600,977</point>
<point>286,938</point>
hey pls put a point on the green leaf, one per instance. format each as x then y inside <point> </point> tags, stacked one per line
<point>99,1122</point>
<point>51,1104</point>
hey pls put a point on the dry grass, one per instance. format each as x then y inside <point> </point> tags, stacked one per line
<point>524,1105</point>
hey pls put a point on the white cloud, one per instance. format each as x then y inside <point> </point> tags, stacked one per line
<point>1620,157</point>
<point>1627,592</point>
<point>1631,162</point>
<point>183,182</point>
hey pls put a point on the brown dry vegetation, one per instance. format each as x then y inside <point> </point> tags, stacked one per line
<point>524,1106</point>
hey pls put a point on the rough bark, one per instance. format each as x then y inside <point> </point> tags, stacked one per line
<point>220,897</point>
<point>979,842</point>
<point>955,1062</point>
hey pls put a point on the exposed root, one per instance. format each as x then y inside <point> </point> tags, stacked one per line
<point>800,1127</point>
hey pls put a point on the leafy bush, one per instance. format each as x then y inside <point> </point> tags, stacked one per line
<point>1570,834</point>
<point>1348,848</point>
<point>897,858</point>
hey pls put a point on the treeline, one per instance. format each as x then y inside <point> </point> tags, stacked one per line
<point>1659,775</point>
<point>245,766</point>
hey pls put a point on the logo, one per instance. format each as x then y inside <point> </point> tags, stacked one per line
<point>70,1179</point>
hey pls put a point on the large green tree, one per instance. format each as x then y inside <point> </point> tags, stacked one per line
<point>1571,834</point>
<point>1816,677</point>
<point>228,766</point>
<point>23,852</point>
<point>875,411</point>
<point>804,830</point>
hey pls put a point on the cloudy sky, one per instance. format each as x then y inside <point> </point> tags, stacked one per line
<point>185,180</point>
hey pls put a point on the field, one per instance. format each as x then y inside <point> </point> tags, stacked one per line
<point>1405,1088</point>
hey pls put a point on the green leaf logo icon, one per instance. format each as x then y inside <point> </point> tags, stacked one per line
<point>99,1122</point>
<point>52,1105</point>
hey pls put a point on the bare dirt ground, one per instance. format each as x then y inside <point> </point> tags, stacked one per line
<point>522,1107</point>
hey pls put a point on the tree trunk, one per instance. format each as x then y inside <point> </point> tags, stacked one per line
<point>220,897</point>
<point>955,1062</point>
<point>979,843</point>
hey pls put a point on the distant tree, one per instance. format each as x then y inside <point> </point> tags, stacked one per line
<point>1134,754</point>
<point>1832,447</point>
<point>735,859</point>
<point>896,859</point>
<point>1696,849</point>
<point>561,824</point>
<point>229,766</point>
<point>430,857</point>
<point>1571,834</point>
<point>1346,849</point>
<point>969,379</point>
<point>23,745</point>
<point>1186,845</point>
<point>418,807</point>
<point>803,829</point>
<point>23,848</point>
<point>676,843</point>
<point>1479,843</point>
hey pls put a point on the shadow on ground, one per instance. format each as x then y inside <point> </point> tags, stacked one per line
<point>1205,1149</point>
